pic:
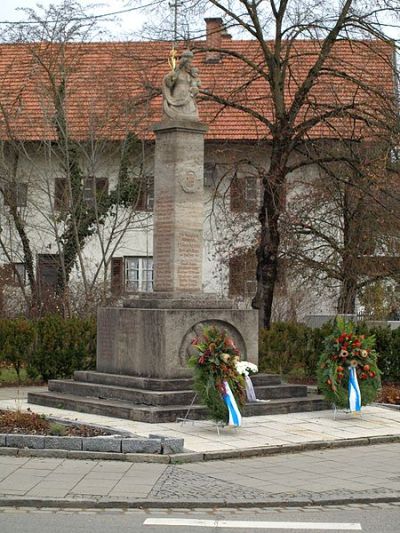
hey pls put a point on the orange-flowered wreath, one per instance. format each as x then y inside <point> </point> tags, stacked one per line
<point>345,349</point>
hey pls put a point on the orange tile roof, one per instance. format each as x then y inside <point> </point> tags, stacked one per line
<point>111,86</point>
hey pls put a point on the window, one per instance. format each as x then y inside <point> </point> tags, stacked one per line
<point>16,194</point>
<point>244,194</point>
<point>92,190</point>
<point>131,274</point>
<point>139,274</point>
<point>48,265</point>
<point>145,199</point>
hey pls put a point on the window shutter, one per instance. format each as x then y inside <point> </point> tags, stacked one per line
<point>7,273</point>
<point>60,193</point>
<point>237,195</point>
<point>117,275</point>
<point>141,195</point>
<point>236,278</point>
<point>101,187</point>
<point>145,198</point>
<point>242,274</point>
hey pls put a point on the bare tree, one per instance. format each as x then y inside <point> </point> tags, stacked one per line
<point>297,47</point>
<point>74,206</point>
<point>340,229</point>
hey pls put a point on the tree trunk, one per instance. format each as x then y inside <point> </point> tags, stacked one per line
<point>268,249</point>
<point>347,298</point>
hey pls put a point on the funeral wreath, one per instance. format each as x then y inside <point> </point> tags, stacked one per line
<point>348,364</point>
<point>218,382</point>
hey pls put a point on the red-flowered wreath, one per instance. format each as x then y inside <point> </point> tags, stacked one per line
<point>345,349</point>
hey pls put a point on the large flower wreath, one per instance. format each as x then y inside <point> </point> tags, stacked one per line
<point>214,365</point>
<point>345,350</point>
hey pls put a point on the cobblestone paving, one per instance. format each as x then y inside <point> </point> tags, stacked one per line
<point>177,483</point>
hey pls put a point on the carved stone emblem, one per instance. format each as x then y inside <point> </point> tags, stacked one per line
<point>189,182</point>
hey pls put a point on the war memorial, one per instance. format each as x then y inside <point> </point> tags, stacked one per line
<point>143,346</point>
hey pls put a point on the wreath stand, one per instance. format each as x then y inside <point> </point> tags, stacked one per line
<point>184,420</point>
<point>338,410</point>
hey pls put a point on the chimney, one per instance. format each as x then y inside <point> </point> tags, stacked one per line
<point>214,31</point>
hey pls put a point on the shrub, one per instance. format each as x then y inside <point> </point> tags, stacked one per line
<point>63,346</point>
<point>16,342</point>
<point>291,349</point>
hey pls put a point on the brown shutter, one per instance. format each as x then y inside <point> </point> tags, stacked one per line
<point>236,278</point>
<point>60,193</point>
<point>101,187</point>
<point>117,275</point>
<point>145,198</point>
<point>237,195</point>
<point>7,274</point>
<point>242,274</point>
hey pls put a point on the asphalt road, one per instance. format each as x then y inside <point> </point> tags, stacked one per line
<point>379,518</point>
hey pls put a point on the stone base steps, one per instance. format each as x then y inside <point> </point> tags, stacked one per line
<point>137,382</point>
<point>159,414</point>
<point>121,397</point>
<point>161,398</point>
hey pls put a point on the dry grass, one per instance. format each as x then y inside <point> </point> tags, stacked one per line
<point>33,424</point>
<point>390,394</point>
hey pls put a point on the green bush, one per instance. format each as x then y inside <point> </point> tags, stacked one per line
<point>50,347</point>
<point>62,346</point>
<point>388,347</point>
<point>16,342</point>
<point>291,349</point>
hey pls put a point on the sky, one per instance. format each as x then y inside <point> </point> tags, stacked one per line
<point>128,22</point>
<point>128,25</point>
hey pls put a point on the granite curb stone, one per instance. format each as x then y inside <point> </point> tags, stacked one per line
<point>151,445</point>
<point>101,444</point>
<point>25,441</point>
<point>113,444</point>
<point>63,443</point>
<point>107,503</point>
<point>169,445</point>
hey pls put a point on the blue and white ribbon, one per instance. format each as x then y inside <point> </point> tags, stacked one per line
<point>235,418</point>
<point>354,391</point>
<point>250,392</point>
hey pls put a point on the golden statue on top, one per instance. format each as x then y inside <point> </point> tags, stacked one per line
<point>180,87</point>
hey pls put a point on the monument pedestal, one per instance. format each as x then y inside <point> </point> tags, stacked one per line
<point>155,341</point>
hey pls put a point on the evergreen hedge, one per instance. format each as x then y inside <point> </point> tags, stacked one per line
<point>50,347</point>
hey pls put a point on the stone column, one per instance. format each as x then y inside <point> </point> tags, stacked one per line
<point>179,207</point>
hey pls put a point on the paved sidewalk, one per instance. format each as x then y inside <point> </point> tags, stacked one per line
<point>261,431</point>
<point>348,475</point>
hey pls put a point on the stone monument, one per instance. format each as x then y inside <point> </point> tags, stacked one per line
<point>153,332</point>
<point>143,347</point>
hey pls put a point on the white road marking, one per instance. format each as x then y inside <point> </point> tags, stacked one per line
<point>251,524</point>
